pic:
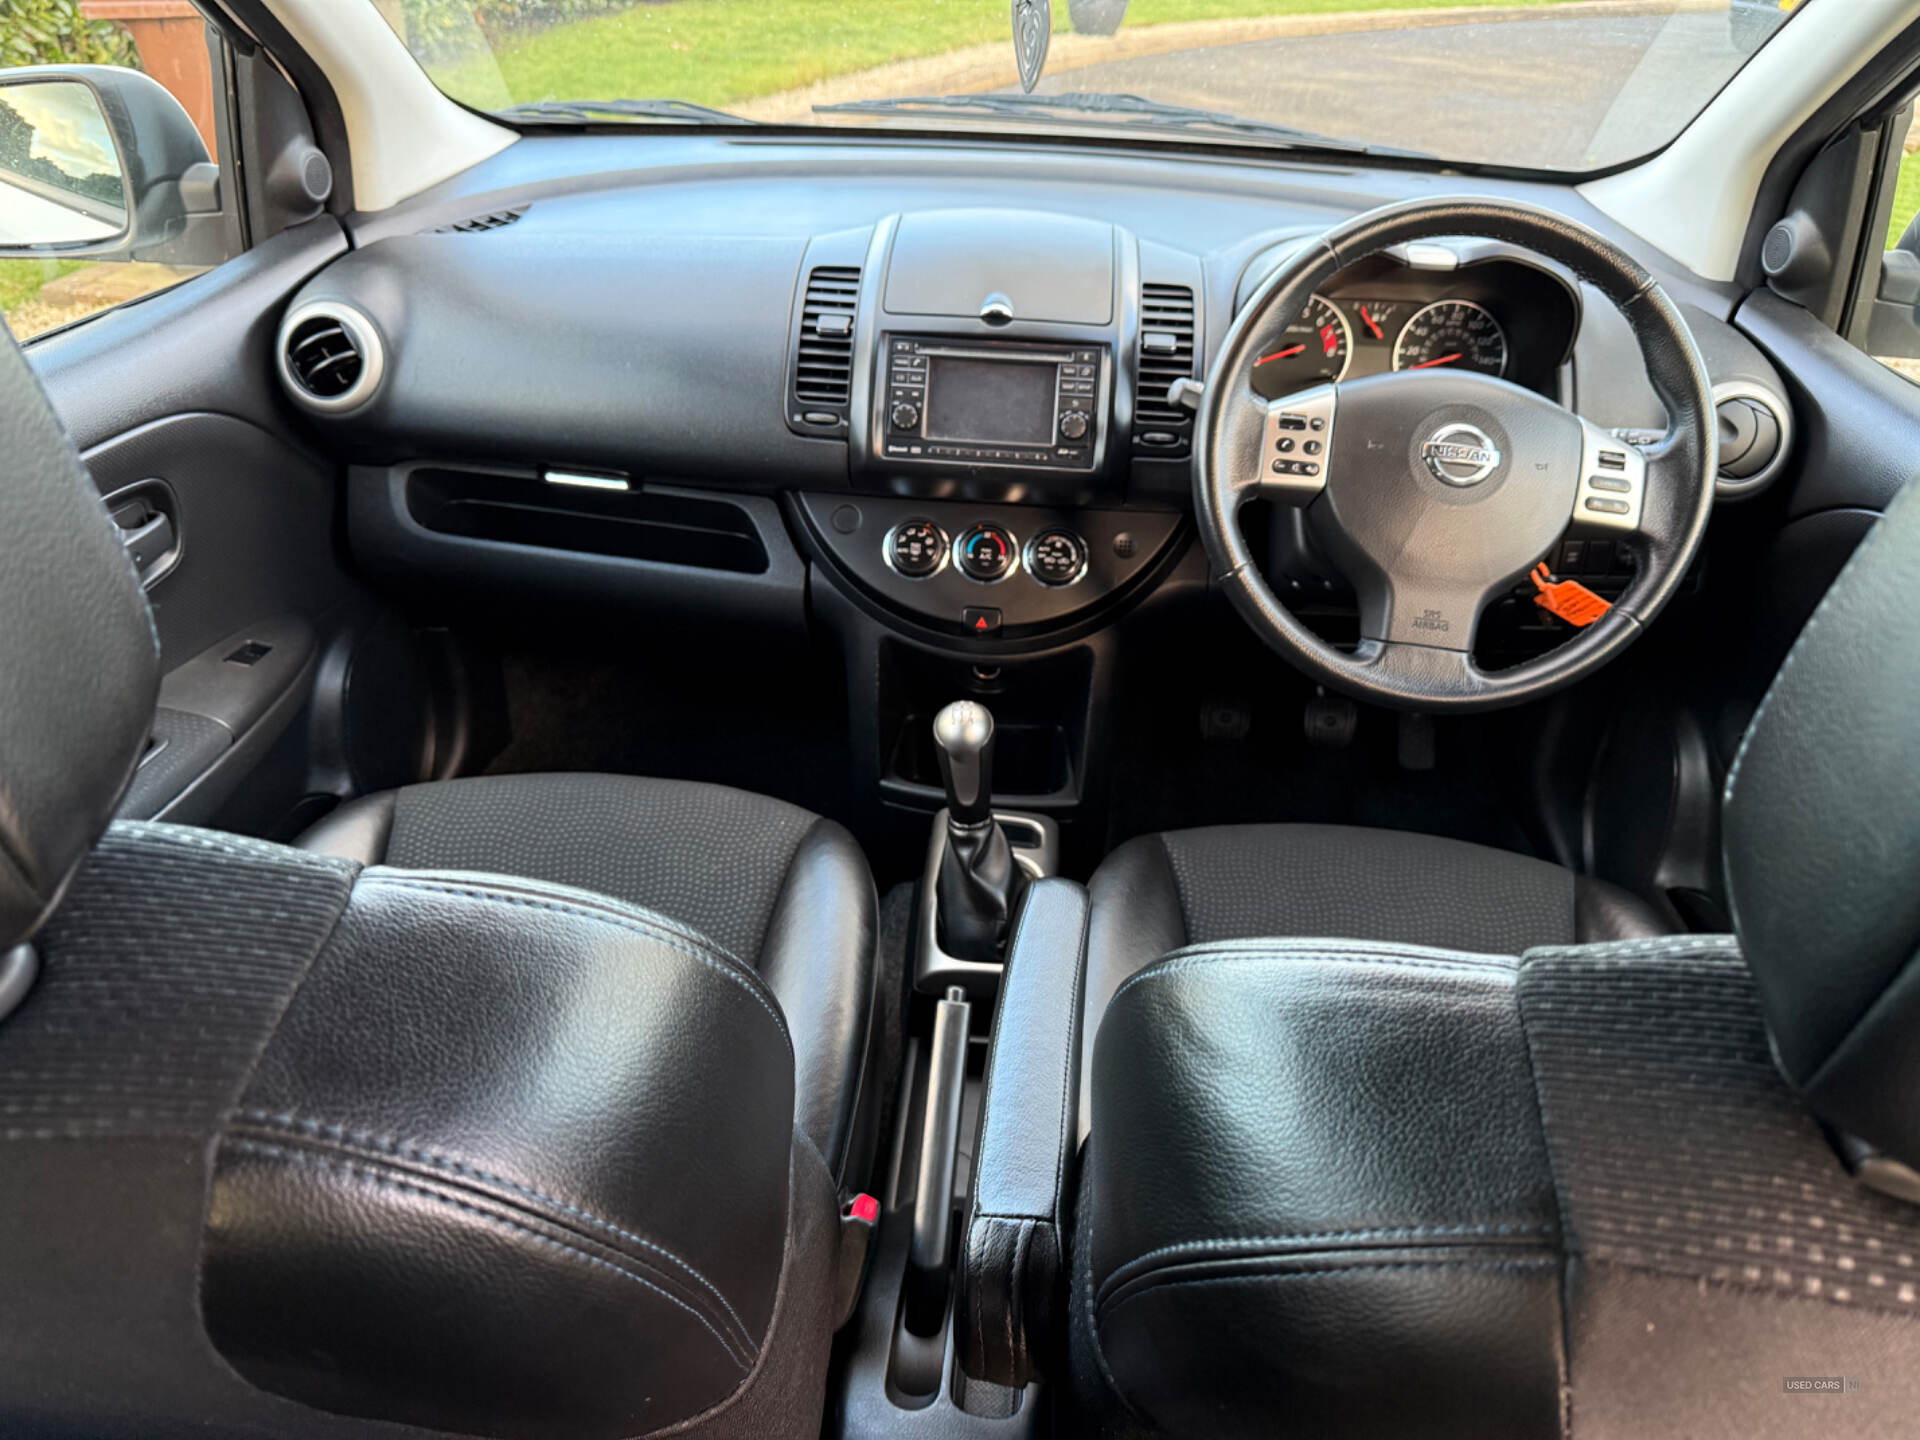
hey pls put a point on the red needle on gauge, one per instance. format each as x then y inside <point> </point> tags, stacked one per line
<point>1372,324</point>
<point>1443,360</point>
<point>1282,354</point>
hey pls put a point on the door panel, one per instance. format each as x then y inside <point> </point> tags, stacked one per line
<point>175,406</point>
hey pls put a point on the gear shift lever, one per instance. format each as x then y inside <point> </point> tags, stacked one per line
<point>980,883</point>
<point>964,733</point>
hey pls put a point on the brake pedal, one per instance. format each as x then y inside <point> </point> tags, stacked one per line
<point>1331,720</point>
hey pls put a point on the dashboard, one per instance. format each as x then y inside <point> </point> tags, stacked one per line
<point>947,377</point>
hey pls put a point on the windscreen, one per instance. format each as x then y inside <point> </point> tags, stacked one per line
<point>1556,85</point>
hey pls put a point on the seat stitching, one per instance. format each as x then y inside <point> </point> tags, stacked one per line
<point>731,970</point>
<point>1741,1287</point>
<point>1395,1232</point>
<point>593,904</point>
<point>302,1124</point>
<point>1402,960</point>
<point>1111,1307</point>
<point>382,1175</point>
<point>1723,949</point>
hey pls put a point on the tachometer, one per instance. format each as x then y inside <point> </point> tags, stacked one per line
<point>1453,335</point>
<point>1315,348</point>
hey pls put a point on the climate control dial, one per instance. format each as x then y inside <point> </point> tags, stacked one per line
<point>985,553</point>
<point>916,549</point>
<point>1056,557</point>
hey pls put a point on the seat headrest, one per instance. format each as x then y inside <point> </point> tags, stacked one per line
<point>79,662</point>
<point>1822,844</point>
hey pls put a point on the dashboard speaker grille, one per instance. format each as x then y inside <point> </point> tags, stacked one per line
<point>473,225</point>
<point>822,385</point>
<point>323,359</point>
<point>1165,355</point>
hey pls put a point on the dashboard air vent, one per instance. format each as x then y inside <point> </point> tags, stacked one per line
<point>823,347</point>
<point>330,356</point>
<point>474,224</point>
<point>1166,355</point>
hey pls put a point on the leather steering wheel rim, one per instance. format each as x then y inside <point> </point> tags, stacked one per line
<point>1674,501</point>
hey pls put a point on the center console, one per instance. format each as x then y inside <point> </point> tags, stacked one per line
<point>1016,487</point>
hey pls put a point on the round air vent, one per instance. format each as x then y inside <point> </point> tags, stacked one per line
<point>1756,434</point>
<point>331,358</point>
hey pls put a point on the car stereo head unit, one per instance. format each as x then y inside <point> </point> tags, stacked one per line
<point>949,401</point>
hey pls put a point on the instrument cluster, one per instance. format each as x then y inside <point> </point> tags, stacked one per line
<point>1499,317</point>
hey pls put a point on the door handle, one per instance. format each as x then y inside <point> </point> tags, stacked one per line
<point>149,525</point>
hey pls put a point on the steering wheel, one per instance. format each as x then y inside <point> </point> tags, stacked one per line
<point>1435,492</point>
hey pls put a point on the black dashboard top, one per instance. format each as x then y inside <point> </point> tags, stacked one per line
<point>710,310</point>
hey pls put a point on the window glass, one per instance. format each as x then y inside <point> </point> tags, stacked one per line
<point>1540,84</point>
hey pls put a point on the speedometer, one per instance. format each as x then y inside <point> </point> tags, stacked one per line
<point>1313,349</point>
<point>1455,335</point>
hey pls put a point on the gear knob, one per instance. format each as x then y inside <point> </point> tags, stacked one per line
<point>964,733</point>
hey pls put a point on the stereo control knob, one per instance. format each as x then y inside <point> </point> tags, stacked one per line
<point>1073,424</point>
<point>905,416</point>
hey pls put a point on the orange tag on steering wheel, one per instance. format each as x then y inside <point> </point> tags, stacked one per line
<point>1568,599</point>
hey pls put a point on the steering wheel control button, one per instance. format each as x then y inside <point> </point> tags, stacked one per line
<point>1460,454</point>
<point>981,620</point>
<point>1056,557</point>
<point>985,553</point>
<point>916,549</point>
<point>1612,484</point>
<point>1289,422</point>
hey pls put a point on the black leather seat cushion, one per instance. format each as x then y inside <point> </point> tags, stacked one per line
<point>1158,893</point>
<point>294,1148</point>
<point>782,890</point>
<point>1349,1190</point>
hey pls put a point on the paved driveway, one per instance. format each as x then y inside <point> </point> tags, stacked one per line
<point>1549,91</point>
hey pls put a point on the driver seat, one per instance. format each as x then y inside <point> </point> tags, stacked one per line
<point>1483,1167</point>
<point>1160,893</point>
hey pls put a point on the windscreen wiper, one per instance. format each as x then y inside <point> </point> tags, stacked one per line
<point>1126,109</point>
<point>565,110</point>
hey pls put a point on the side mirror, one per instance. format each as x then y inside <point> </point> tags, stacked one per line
<point>101,163</point>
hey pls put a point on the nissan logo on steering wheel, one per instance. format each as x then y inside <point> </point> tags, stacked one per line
<point>1460,454</point>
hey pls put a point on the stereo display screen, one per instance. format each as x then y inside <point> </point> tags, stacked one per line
<point>1004,402</point>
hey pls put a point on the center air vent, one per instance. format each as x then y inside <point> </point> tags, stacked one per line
<point>822,383</point>
<point>1166,355</point>
<point>331,358</point>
